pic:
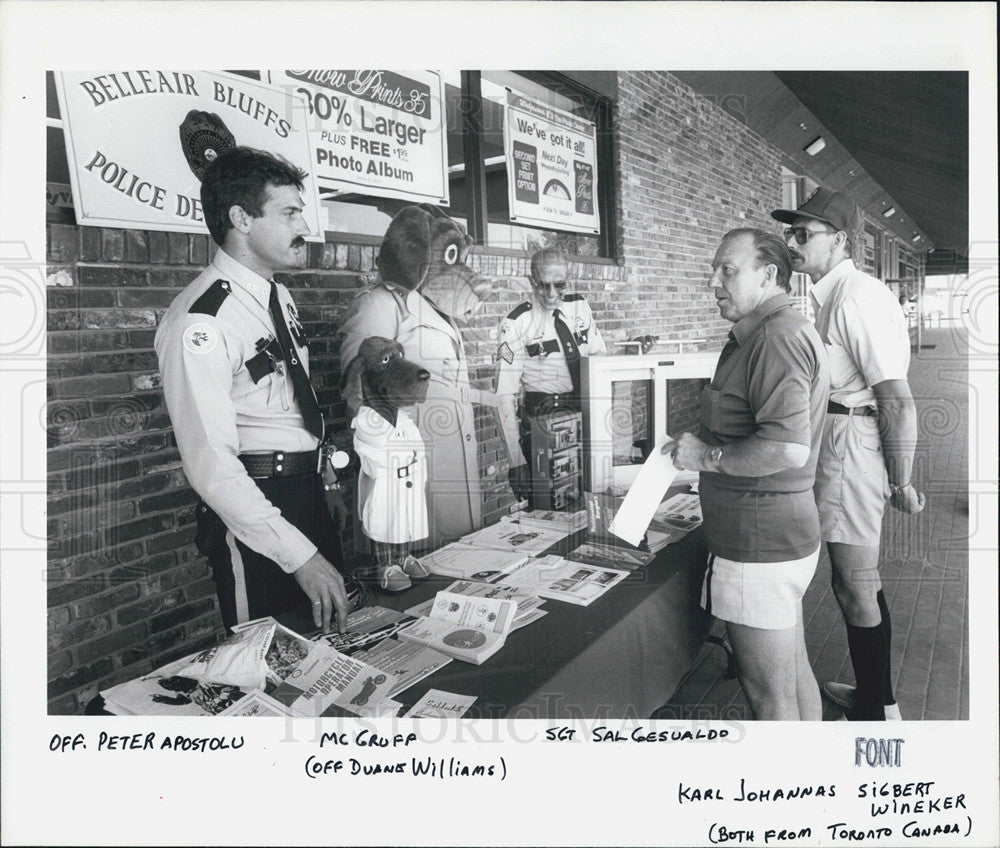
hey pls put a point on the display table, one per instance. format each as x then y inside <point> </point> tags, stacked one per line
<point>621,657</point>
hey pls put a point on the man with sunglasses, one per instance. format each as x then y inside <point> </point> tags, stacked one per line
<point>869,437</point>
<point>541,343</point>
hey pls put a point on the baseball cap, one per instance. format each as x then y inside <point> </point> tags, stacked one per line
<point>824,204</point>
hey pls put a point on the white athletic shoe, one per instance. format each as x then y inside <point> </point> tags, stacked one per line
<point>392,579</point>
<point>415,568</point>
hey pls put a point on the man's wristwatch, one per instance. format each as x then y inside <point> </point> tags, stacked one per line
<point>715,457</point>
<point>896,488</point>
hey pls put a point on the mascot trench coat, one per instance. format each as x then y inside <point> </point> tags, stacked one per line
<point>445,419</point>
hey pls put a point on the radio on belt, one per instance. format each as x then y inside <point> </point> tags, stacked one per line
<point>556,441</point>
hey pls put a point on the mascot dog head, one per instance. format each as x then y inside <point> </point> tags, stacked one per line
<point>388,380</point>
<point>425,250</point>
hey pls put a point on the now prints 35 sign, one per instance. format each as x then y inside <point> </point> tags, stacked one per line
<point>375,132</point>
<point>551,166</point>
<point>138,142</point>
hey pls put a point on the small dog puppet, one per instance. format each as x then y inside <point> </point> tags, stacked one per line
<point>392,484</point>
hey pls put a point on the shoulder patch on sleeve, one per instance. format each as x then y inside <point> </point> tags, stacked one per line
<point>519,310</point>
<point>201,337</point>
<point>570,298</point>
<point>211,299</point>
<point>505,353</point>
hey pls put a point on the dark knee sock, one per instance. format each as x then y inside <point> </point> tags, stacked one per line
<point>883,607</point>
<point>868,656</point>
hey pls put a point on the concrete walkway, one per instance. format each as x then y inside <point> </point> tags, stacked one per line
<point>924,570</point>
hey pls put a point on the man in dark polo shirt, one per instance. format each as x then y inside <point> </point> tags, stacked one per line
<point>761,424</point>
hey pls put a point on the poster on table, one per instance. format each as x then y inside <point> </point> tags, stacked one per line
<point>375,132</point>
<point>551,166</point>
<point>138,142</point>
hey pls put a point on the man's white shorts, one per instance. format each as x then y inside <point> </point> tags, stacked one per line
<point>758,594</point>
<point>852,485</point>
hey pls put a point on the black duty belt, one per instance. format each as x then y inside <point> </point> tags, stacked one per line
<point>537,403</point>
<point>280,463</point>
<point>840,409</point>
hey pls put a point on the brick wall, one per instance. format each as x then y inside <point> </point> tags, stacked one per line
<point>127,590</point>
<point>687,173</point>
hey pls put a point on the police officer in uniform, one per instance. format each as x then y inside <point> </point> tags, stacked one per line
<point>234,363</point>
<point>541,342</point>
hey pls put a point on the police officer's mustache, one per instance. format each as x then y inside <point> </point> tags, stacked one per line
<point>298,241</point>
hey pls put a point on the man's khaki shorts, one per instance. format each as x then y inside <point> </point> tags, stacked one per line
<point>766,595</point>
<point>852,485</point>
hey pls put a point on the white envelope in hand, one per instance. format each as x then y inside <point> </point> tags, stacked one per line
<point>644,495</point>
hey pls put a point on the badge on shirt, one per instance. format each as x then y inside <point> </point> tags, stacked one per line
<point>201,338</point>
<point>505,353</point>
<point>298,331</point>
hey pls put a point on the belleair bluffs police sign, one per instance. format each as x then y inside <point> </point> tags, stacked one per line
<point>138,142</point>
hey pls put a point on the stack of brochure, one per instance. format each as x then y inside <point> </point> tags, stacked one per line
<point>550,519</point>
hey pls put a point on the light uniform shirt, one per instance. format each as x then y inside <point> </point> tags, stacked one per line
<point>531,357</point>
<point>226,397</point>
<point>864,330</point>
<point>392,486</point>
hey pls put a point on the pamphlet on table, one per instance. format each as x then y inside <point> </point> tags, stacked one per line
<point>328,678</point>
<point>611,554</point>
<point>550,519</point>
<point>405,662</point>
<point>527,604</point>
<point>511,536</point>
<point>364,628</point>
<point>561,580</point>
<point>465,562</point>
<point>437,703</point>
<point>468,629</point>
<point>257,704</point>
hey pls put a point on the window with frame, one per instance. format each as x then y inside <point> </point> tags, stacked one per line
<point>477,167</point>
<point>476,161</point>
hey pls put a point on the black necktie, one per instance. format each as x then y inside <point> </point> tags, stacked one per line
<point>570,349</point>
<point>304,393</point>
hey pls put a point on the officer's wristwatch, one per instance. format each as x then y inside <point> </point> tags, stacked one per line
<point>715,457</point>
<point>897,489</point>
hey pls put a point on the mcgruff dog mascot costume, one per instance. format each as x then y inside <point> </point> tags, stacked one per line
<point>424,288</point>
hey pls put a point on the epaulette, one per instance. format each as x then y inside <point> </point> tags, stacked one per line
<point>519,310</point>
<point>210,301</point>
<point>570,298</point>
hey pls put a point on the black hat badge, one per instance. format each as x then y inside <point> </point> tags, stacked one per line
<point>203,137</point>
